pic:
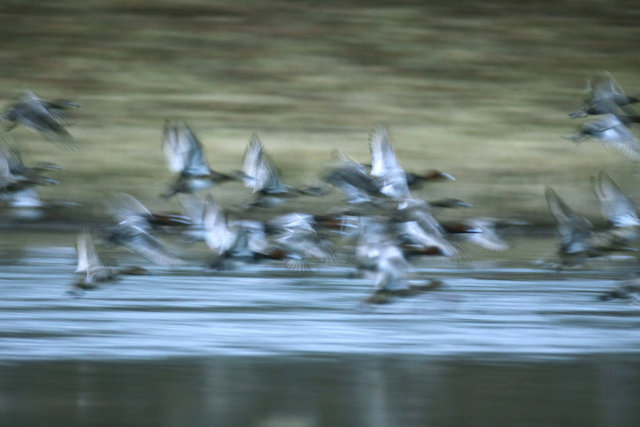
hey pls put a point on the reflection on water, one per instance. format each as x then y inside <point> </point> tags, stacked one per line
<point>323,390</point>
<point>505,340</point>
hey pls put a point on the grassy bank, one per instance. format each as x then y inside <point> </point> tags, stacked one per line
<point>477,89</point>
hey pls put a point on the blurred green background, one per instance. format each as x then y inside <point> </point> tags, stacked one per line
<point>480,90</point>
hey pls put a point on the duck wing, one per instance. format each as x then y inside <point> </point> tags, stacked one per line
<point>617,208</point>
<point>196,163</point>
<point>86,252</point>
<point>219,234</point>
<point>383,157</point>
<point>260,172</point>
<point>31,111</point>
<point>385,166</point>
<point>574,229</point>
<point>126,209</point>
<point>612,133</point>
<point>354,180</point>
<point>183,150</point>
<point>606,95</point>
<point>486,235</point>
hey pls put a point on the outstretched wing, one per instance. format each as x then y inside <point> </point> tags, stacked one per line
<point>383,157</point>
<point>573,229</point>
<point>260,173</point>
<point>385,166</point>
<point>196,161</point>
<point>183,150</point>
<point>33,113</point>
<point>616,207</point>
<point>127,209</point>
<point>86,253</point>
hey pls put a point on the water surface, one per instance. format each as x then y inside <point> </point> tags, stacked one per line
<point>506,339</point>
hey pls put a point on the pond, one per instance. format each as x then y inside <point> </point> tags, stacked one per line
<point>260,344</point>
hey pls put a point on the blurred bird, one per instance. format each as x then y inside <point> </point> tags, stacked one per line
<point>193,208</point>
<point>91,269</point>
<point>573,229</point>
<point>483,232</point>
<point>221,235</point>
<point>578,241</point>
<point>25,198</point>
<point>15,175</point>
<point>354,180</point>
<point>133,231</point>
<point>613,133</point>
<point>385,296</point>
<point>379,255</point>
<point>18,182</point>
<point>185,155</point>
<point>291,237</point>
<point>44,117</point>
<point>383,179</point>
<point>126,208</point>
<point>260,174</point>
<point>626,290</point>
<point>420,232</point>
<point>297,235</point>
<point>603,95</point>
<point>449,202</point>
<point>618,210</point>
<point>234,239</point>
<point>415,181</point>
<point>385,167</point>
<point>395,181</point>
<point>26,203</point>
<point>377,251</point>
<point>8,180</point>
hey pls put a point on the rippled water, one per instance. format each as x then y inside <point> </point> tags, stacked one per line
<point>501,320</point>
<point>500,307</point>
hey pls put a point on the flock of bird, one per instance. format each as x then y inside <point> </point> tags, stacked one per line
<point>578,241</point>
<point>380,227</point>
